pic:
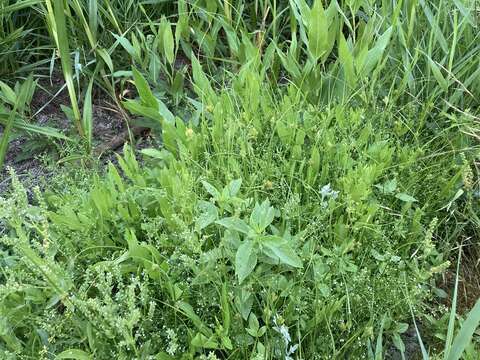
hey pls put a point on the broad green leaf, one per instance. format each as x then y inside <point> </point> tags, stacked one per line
<point>8,93</point>
<point>388,187</point>
<point>226,342</point>
<point>234,223</point>
<point>277,247</point>
<point>375,54</point>
<point>405,197</point>
<point>165,112</point>
<point>313,166</point>
<point>138,109</point>
<point>74,354</point>
<point>157,154</point>
<point>87,116</point>
<point>234,187</point>
<point>178,83</point>
<point>262,216</point>
<point>244,302</point>
<point>317,31</point>
<point>146,95</point>
<point>154,66</point>
<point>401,328</point>
<point>290,64</point>
<point>25,94</point>
<point>202,341</point>
<point>398,342</point>
<point>203,88</point>
<point>208,215</point>
<point>122,73</point>
<point>168,43</point>
<point>212,190</point>
<point>253,322</point>
<point>346,59</point>
<point>245,260</point>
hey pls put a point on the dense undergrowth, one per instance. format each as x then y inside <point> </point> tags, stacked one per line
<point>315,175</point>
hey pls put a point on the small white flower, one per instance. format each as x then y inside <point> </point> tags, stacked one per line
<point>292,349</point>
<point>327,192</point>
<point>283,330</point>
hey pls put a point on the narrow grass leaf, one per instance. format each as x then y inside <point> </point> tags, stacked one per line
<point>453,310</point>
<point>434,26</point>
<point>18,5</point>
<point>464,336</point>
<point>19,124</point>
<point>63,48</point>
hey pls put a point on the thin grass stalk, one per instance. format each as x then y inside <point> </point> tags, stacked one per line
<point>60,33</point>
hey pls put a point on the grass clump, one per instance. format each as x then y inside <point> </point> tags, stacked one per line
<point>265,227</point>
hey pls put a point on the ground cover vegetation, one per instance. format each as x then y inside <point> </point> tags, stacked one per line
<point>310,182</point>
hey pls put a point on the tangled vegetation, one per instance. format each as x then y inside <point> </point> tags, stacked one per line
<point>313,175</point>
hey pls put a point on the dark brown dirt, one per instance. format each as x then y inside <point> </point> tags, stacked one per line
<point>109,132</point>
<point>468,279</point>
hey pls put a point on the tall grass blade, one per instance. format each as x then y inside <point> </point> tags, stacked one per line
<point>465,334</point>
<point>93,18</point>
<point>19,5</point>
<point>19,124</point>
<point>453,310</point>
<point>63,48</point>
<point>419,337</point>
<point>435,28</point>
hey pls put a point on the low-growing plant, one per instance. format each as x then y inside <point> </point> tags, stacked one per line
<point>262,227</point>
<point>14,104</point>
<point>315,164</point>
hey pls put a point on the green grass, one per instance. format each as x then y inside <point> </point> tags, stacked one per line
<point>314,167</point>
